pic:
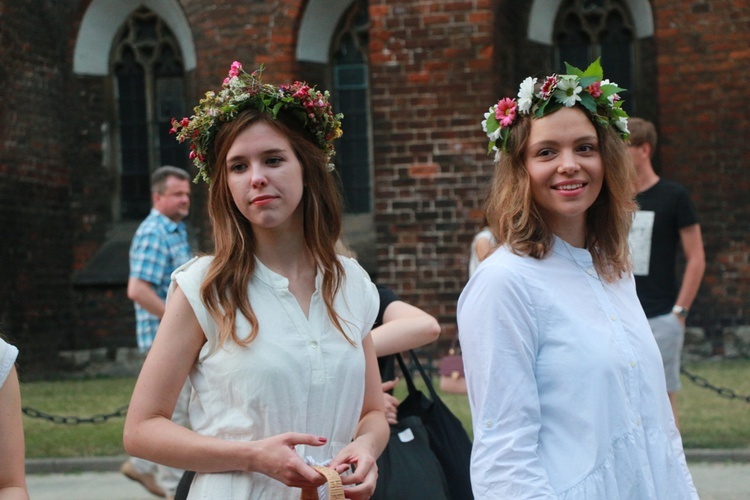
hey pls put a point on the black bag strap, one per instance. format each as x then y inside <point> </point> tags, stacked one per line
<point>407,375</point>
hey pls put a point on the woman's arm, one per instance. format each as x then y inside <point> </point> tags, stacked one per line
<point>151,434</point>
<point>499,337</point>
<point>483,248</point>
<point>404,327</point>
<point>371,436</point>
<point>12,461</point>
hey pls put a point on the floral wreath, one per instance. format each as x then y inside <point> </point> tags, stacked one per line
<point>240,91</point>
<point>598,96</point>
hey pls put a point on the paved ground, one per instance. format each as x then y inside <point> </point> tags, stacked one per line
<point>715,479</point>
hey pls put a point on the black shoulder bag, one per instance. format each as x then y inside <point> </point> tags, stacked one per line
<point>448,438</point>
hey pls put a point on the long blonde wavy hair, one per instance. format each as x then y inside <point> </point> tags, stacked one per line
<point>515,220</point>
<point>224,291</point>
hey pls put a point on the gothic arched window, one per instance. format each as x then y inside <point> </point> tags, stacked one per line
<point>587,29</point>
<point>351,97</point>
<point>149,89</point>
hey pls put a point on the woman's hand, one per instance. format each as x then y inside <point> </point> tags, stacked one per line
<point>361,483</point>
<point>278,459</point>
<point>390,402</point>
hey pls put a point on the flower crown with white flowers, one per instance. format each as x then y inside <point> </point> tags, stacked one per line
<point>241,91</point>
<point>598,96</point>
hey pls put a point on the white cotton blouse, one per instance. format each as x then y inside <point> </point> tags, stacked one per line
<point>566,384</point>
<point>299,374</point>
<point>8,355</point>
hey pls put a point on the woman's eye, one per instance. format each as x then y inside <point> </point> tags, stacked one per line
<point>273,161</point>
<point>586,148</point>
<point>237,167</point>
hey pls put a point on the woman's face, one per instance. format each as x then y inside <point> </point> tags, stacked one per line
<point>264,177</point>
<point>564,164</point>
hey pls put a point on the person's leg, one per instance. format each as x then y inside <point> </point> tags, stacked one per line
<point>670,336</point>
<point>144,472</point>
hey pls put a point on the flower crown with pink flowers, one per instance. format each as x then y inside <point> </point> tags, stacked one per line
<point>599,97</point>
<point>241,91</point>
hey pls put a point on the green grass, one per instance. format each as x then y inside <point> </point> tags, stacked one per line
<point>706,419</point>
<point>79,398</point>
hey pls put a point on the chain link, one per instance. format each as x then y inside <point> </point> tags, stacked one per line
<point>721,391</point>
<point>122,411</point>
<point>73,420</point>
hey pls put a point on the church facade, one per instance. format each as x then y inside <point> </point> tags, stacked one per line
<point>90,86</point>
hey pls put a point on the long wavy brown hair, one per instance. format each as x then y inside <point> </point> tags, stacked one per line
<point>515,219</point>
<point>224,290</point>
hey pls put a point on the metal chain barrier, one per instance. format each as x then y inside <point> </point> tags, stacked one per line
<point>72,420</point>
<point>122,411</point>
<point>721,391</point>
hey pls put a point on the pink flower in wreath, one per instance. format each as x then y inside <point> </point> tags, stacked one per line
<point>595,89</point>
<point>505,111</point>
<point>235,69</point>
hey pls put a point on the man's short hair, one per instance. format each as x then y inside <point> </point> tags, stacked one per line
<point>642,131</point>
<point>160,175</point>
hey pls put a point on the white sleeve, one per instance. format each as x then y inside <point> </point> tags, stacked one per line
<point>8,355</point>
<point>359,285</point>
<point>499,338</point>
<point>190,277</point>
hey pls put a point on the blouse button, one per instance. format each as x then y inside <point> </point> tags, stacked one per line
<point>488,424</point>
<point>591,271</point>
<point>314,344</point>
<point>632,364</point>
<point>613,317</point>
<point>638,422</point>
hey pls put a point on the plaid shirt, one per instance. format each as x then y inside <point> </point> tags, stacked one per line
<point>159,247</point>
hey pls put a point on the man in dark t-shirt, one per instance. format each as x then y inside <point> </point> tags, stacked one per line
<point>666,218</point>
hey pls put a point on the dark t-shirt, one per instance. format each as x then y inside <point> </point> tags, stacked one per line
<point>385,363</point>
<point>665,208</point>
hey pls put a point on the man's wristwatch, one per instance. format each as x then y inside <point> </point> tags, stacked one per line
<point>680,311</point>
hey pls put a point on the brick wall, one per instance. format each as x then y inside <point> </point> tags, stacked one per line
<point>431,74</point>
<point>704,121</point>
<point>435,67</point>
<point>34,180</point>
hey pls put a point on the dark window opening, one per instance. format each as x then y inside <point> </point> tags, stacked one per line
<point>351,97</point>
<point>587,29</point>
<point>149,92</point>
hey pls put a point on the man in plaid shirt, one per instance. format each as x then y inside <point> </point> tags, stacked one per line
<point>160,246</point>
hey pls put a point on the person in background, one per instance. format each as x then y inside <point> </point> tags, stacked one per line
<point>160,246</point>
<point>666,220</point>
<point>274,328</point>
<point>12,454</point>
<point>481,246</point>
<point>398,327</point>
<point>565,381</point>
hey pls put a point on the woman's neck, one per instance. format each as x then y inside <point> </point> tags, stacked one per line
<point>573,233</point>
<point>284,253</point>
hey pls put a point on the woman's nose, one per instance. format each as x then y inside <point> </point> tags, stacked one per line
<point>259,179</point>
<point>568,164</point>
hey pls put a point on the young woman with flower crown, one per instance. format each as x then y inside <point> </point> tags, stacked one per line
<point>565,383</point>
<point>273,328</point>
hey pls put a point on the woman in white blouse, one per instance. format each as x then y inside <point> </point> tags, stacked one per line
<point>273,329</point>
<point>565,383</point>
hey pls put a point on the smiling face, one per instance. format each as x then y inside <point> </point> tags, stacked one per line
<point>564,163</point>
<point>264,178</point>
